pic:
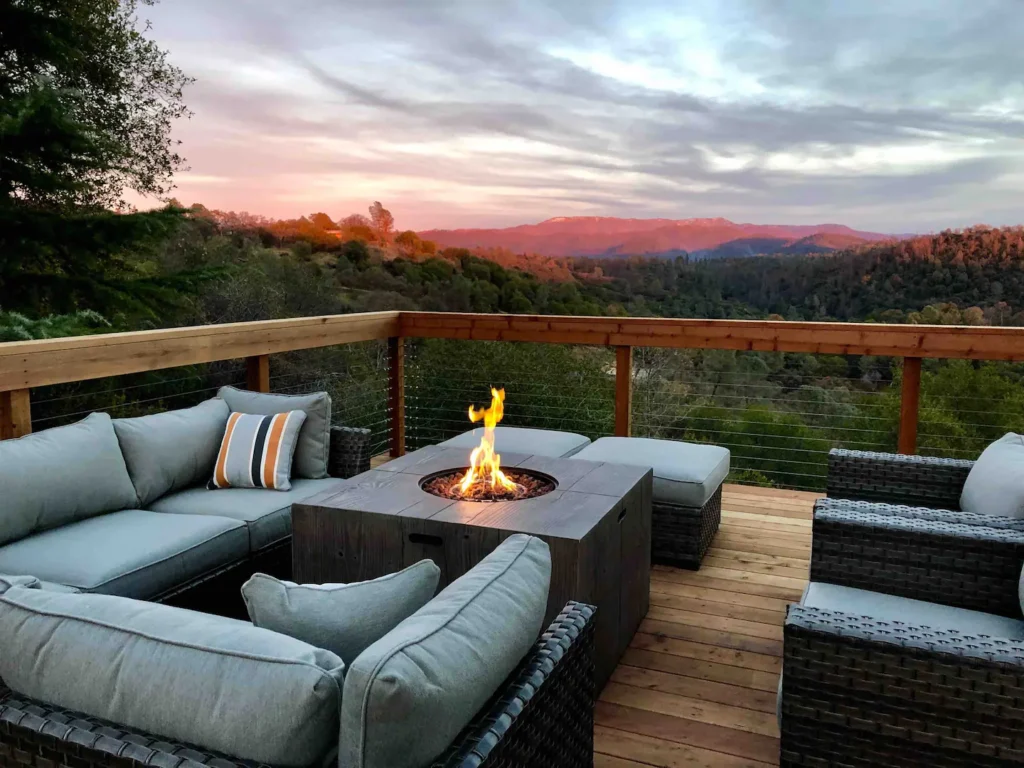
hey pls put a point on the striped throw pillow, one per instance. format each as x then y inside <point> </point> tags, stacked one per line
<point>257,451</point>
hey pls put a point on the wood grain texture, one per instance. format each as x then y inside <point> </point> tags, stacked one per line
<point>15,414</point>
<point>623,391</point>
<point>396,394</point>
<point>910,397</point>
<point>962,342</point>
<point>697,685</point>
<point>257,373</point>
<point>25,364</point>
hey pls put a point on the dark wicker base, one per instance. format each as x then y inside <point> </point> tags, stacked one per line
<point>918,481</point>
<point>680,536</point>
<point>543,716</point>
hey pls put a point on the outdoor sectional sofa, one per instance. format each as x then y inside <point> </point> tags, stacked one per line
<point>121,507</point>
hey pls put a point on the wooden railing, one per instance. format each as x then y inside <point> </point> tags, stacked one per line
<point>24,365</point>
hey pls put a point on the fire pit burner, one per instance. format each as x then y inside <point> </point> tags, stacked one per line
<point>528,485</point>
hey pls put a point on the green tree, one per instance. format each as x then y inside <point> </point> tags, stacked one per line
<point>86,108</point>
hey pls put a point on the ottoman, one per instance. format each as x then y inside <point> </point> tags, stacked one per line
<point>687,504</point>
<point>533,442</point>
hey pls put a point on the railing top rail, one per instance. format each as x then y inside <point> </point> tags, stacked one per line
<point>28,364</point>
<point>25,364</point>
<point>940,341</point>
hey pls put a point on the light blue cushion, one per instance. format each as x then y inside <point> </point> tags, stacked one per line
<point>532,442</point>
<point>860,602</point>
<point>218,683</point>
<point>343,618</point>
<point>131,553</point>
<point>687,474</point>
<point>173,450</point>
<point>314,446</point>
<point>60,475</point>
<point>409,694</point>
<point>7,581</point>
<point>995,484</point>
<point>267,514</point>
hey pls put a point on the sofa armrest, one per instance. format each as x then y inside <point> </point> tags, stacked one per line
<point>956,558</point>
<point>350,452</point>
<point>856,691</point>
<point>896,478</point>
<point>544,714</point>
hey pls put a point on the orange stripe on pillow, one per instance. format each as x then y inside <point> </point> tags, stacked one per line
<point>273,451</point>
<point>220,478</point>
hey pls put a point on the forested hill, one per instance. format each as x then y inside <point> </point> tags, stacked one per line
<point>979,272</point>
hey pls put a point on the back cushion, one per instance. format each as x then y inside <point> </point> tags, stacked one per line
<point>409,694</point>
<point>219,683</point>
<point>169,451</point>
<point>315,436</point>
<point>995,485</point>
<point>60,475</point>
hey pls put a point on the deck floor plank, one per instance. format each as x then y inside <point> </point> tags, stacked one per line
<point>697,685</point>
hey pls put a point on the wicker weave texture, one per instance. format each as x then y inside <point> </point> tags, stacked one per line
<point>859,692</point>
<point>896,478</point>
<point>542,716</point>
<point>680,536</point>
<point>545,714</point>
<point>916,553</point>
<point>350,452</point>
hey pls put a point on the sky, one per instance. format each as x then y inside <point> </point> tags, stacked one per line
<point>890,115</point>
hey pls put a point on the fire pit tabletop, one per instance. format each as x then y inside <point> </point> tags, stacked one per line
<point>597,522</point>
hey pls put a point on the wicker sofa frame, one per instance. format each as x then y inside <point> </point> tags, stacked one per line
<point>680,536</point>
<point>917,481</point>
<point>217,591</point>
<point>543,715</point>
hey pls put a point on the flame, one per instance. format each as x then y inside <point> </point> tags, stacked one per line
<point>484,464</point>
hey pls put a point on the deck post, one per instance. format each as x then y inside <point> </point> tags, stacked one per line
<point>15,414</point>
<point>910,398</point>
<point>623,391</point>
<point>257,373</point>
<point>396,394</point>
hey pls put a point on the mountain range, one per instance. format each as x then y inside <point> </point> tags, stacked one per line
<point>599,236</point>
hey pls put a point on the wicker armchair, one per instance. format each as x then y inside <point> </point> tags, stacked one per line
<point>542,715</point>
<point>919,481</point>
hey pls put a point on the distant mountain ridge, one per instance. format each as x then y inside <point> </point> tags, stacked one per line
<point>600,236</point>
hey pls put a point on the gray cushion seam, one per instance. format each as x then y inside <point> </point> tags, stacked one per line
<point>5,598</point>
<point>400,649</point>
<point>169,557</point>
<point>338,587</point>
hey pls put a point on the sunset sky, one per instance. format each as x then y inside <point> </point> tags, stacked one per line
<point>485,113</point>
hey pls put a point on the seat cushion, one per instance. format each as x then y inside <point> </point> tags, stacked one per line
<point>995,485</point>
<point>267,514</point>
<point>687,474</point>
<point>535,442</point>
<point>861,602</point>
<point>221,684</point>
<point>131,553</point>
<point>169,451</point>
<point>345,619</point>
<point>60,475</point>
<point>314,445</point>
<point>409,694</point>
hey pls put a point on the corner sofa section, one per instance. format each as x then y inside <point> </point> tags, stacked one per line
<point>120,507</point>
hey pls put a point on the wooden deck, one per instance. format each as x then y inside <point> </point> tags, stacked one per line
<point>697,686</point>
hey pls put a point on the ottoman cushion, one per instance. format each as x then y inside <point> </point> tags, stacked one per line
<point>687,474</point>
<point>534,442</point>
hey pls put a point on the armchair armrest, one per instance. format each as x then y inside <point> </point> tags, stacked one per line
<point>954,558</point>
<point>856,691</point>
<point>544,714</point>
<point>897,479</point>
<point>350,452</point>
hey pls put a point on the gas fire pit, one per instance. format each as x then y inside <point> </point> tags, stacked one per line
<point>595,517</point>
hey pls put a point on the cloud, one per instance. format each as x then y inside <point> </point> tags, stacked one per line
<point>896,117</point>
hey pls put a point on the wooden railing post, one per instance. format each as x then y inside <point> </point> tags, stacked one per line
<point>257,373</point>
<point>15,414</point>
<point>623,391</point>
<point>396,394</point>
<point>910,398</point>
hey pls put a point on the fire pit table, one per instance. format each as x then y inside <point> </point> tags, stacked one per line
<point>596,518</point>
